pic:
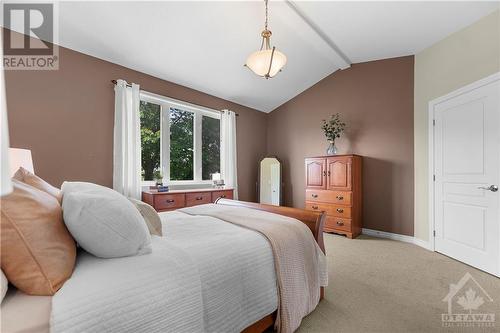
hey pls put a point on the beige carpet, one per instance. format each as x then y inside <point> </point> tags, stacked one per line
<point>380,285</point>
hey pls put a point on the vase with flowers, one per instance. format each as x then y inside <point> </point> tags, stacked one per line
<point>333,129</point>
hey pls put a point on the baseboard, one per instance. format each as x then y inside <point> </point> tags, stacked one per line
<point>422,243</point>
<point>398,237</point>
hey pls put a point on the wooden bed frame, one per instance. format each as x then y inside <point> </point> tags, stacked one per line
<point>314,220</point>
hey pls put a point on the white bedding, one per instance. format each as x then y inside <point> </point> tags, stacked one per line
<point>204,275</point>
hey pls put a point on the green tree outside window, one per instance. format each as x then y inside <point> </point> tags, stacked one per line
<point>150,115</point>
<point>181,125</point>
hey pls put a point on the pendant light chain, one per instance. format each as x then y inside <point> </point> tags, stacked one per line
<point>265,25</point>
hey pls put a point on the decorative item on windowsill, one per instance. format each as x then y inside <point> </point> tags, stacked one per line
<point>218,183</point>
<point>158,177</point>
<point>162,188</point>
<point>333,129</point>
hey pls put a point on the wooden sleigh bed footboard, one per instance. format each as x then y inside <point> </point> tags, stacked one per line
<point>314,220</point>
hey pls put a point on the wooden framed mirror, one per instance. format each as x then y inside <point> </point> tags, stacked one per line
<point>269,184</point>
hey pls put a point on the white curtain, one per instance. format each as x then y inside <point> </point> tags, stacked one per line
<point>5,182</point>
<point>127,141</point>
<point>228,150</point>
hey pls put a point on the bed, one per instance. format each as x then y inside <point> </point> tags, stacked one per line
<point>179,287</point>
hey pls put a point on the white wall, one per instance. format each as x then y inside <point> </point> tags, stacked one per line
<point>462,58</point>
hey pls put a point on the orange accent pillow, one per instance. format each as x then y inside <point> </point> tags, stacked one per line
<point>38,253</point>
<point>31,179</point>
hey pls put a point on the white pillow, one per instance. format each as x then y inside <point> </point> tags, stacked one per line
<point>4,285</point>
<point>150,216</point>
<point>104,222</point>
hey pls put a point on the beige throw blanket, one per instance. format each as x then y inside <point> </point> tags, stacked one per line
<point>300,264</point>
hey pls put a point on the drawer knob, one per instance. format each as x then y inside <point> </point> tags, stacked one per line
<point>170,201</point>
<point>314,207</point>
<point>199,198</point>
<point>223,196</point>
<point>340,223</point>
<point>340,210</point>
<point>339,197</point>
<point>314,195</point>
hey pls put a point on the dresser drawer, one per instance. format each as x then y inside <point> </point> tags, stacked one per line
<point>335,197</point>
<point>227,194</point>
<point>337,223</point>
<point>330,209</point>
<point>169,201</point>
<point>199,198</point>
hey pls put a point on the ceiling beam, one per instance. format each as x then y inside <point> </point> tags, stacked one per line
<point>343,61</point>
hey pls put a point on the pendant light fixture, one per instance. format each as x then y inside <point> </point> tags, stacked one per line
<point>268,61</point>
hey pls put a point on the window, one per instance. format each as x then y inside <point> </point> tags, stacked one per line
<point>150,139</point>
<point>210,147</point>
<point>179,140</point>
<point>181,145</point>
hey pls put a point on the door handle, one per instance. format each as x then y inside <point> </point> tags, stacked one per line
<point>492,188</point>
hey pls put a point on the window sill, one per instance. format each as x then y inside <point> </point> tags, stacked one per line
<point>181,185</point>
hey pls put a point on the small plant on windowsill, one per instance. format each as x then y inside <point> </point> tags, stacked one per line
<point>333,129</point>
<point>158,178</point>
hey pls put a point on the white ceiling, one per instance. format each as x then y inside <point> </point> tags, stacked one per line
<point>203,45</point>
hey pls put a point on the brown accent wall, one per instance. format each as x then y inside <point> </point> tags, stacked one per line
<point>376,100</point>
<point>66,118</point>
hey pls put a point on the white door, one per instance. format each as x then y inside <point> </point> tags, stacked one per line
<point>467,172</point>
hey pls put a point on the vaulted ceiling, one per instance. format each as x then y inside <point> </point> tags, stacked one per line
<point>203,45</point>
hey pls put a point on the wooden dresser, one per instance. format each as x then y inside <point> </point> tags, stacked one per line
<point>333,185</point>
<point>165,201</point>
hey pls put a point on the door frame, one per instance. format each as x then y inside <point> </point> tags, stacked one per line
<point>431,167</point>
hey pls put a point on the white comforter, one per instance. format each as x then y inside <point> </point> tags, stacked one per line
<point>204,275</point>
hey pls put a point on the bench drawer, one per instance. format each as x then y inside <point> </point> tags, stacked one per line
<point>169,201</point>
<point>199,198</point>
<point>228,194</point>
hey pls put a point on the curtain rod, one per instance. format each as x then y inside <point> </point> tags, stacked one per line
<point>129,85</point>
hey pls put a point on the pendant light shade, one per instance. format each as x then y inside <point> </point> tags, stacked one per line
<point>268,61</point>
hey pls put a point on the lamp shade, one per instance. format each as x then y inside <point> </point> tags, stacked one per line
<point>20,158</point>
<point>259,62</point>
